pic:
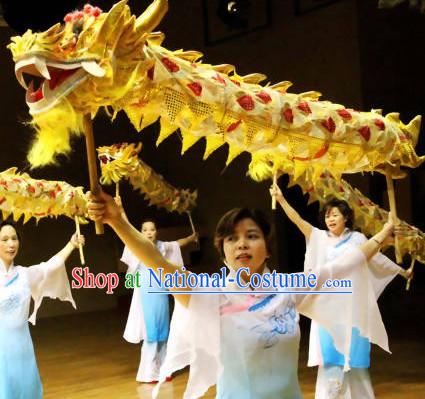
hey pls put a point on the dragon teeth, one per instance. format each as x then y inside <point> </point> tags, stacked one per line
<point>93,68</point>
<point>41,66</point>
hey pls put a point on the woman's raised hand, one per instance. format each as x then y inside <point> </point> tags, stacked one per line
<point>118,200</point>
<point>276,192</point>
<point>388,231</point>
<point>103,208</point>
<point>77,240</point>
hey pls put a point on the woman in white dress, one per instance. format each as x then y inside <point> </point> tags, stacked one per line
<point>19,376</point>
<point>149,315</point>
<point>247,344</point>
<point>322,247</point>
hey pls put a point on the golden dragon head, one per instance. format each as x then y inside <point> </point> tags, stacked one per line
<point>121,161</point>
<point>91,59</point>
<point>118,161</point>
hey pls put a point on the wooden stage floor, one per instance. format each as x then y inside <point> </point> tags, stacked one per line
<point>85,357</point>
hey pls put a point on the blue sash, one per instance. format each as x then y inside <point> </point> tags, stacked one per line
<point>359,350</point>
<point>155,307</point>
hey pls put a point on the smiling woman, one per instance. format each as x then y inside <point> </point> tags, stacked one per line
<point>324,246</point>
<point>19,377</point>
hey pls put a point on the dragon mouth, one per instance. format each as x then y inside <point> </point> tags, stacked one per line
<point>47,82</point>
<point>105,158</point>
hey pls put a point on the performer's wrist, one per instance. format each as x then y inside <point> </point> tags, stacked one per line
<point>74,245</point>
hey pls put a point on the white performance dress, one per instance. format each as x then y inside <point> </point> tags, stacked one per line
<point>248,344</point>
<point>19,376</point>
<point>368,284</point>
<point>149,316</point>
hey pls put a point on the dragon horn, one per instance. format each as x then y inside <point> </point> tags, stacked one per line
<point>414,128</point>
<point>111,25</point>
<point>151,18</point>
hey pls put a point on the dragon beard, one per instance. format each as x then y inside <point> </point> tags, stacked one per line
<point>54,129</point>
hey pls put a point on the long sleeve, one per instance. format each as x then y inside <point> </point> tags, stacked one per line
<point>382,271</point>
<point>130,260</point>
<point>135,330</point>
<point>48,279</point>
<point>173,253</point>
<point>194,340</point>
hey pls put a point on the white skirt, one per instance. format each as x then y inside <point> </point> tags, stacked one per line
<point>333,383</point>
<point>151,359</point>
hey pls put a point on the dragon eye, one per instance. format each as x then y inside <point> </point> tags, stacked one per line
<point>77,29</point>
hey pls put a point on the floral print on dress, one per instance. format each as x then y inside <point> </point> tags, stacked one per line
<point>281,322</point>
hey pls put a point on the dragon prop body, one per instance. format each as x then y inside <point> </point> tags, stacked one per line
<point>121,161</point>
<point>22,195</point>
<point>113,60</point>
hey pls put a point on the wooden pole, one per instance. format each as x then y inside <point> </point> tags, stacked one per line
<point>191,222</point>
<point>393,209</point>
<point>80,247</point>
<point>409,280</point>
<point>274,197</point>
<point>92,163</point>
